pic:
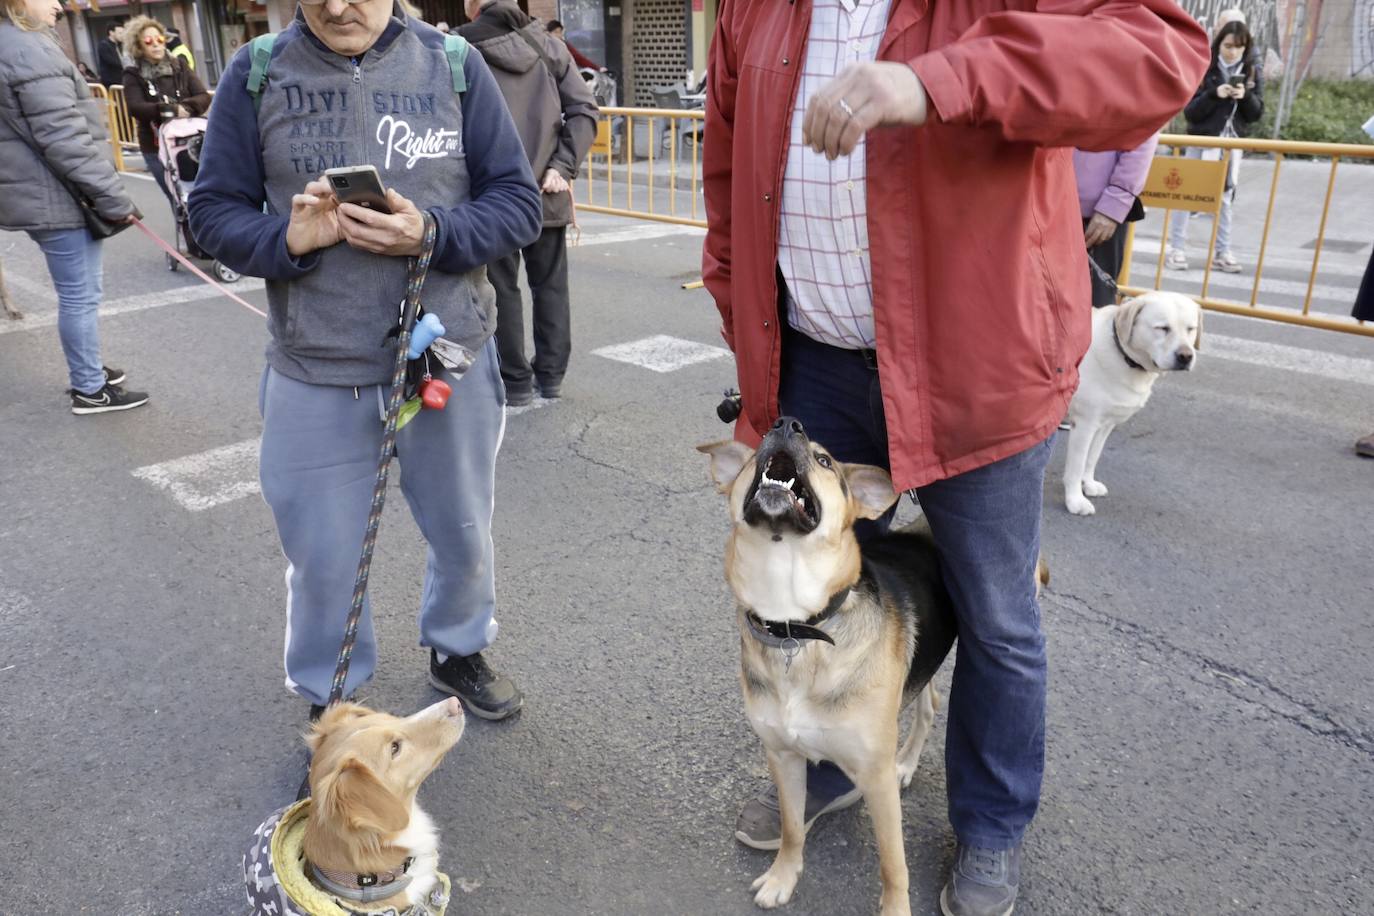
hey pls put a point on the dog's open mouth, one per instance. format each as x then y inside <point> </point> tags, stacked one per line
<point>780,497</point>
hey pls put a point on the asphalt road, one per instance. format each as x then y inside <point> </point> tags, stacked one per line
<point>1211,719</point>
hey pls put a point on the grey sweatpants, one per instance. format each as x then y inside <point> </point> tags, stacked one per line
<point>318,468</point>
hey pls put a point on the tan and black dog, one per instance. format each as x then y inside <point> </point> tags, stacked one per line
<point>834,643</point>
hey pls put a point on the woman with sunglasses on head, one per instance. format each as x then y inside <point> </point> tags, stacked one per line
<point>53,148</point>
<point>158,87</point>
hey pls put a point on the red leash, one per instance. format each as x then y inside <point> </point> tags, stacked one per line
<point>194,269</point>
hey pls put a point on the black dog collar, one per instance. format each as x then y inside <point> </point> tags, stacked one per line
<point>1122,350</point>
<point>781,634</point>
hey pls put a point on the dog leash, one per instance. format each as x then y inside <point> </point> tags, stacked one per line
<point>419,268</point>
<point>171,250</point>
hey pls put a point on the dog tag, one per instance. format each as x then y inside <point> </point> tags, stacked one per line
<point>790,647</point>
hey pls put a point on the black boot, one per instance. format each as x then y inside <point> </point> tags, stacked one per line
<point>485,693</point>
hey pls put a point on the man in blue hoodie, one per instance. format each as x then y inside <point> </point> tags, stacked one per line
<point>361,83</point>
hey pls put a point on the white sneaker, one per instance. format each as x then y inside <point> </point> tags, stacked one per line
<point>1176,260</point>
<point>1226,263</point>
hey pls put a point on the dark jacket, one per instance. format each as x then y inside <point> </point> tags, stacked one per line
<point>550,102</point>
<point>45,102</point>
<point>1364,301</point>
<point>1207,112</point>
<point>182,87</point>
<point>111,64</point>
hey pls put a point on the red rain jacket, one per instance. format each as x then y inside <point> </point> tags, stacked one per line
<point>980,280</point>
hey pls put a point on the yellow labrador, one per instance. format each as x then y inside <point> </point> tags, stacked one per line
<point>1133,344</point>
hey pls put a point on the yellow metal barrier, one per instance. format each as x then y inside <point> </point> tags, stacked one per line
<point>123,127</point>
<point>1157,198</point>
<point>99,92</point>
<point>615,163</point>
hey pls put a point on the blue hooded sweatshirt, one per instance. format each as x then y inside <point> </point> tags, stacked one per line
<point>457,156</point>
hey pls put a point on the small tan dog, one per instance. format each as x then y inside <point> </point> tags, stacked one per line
<point>834,643</point>
<point>361,838</point>
<point>1133,344</point>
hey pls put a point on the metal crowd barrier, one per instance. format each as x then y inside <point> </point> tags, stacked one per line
<point>628,174</point>
<point>1206,197</point>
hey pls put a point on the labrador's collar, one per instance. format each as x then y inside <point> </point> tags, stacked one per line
<point>360,888</point>
<point>1116,339</point>
<point>780,634</point>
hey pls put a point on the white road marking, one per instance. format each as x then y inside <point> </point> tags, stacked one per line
<point>136,303</point>
<point>1293,359</point>
<point>636,234</point>
<point>208,479</point>
<point>662,353</point>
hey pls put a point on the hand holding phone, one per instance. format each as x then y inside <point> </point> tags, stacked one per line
<point>398,232</point>
<point>358,184</point>
<point>314,222</point>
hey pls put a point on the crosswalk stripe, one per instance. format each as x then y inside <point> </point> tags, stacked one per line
<point>662,353</point>
<point>208,479</point>
<point>1293,359</point>
<point>136,303</point>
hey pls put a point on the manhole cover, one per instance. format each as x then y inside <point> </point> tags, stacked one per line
<point>1344,246</point>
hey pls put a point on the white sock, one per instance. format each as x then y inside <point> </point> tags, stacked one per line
<point>441,657</point>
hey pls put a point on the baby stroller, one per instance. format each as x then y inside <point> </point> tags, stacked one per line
<point>605,92</point>
<point>179,142</point>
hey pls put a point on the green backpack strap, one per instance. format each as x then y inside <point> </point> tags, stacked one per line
<point>260,53</point>
<point>456,49</point>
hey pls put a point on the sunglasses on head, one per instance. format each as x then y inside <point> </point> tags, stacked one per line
<point>154,40</point>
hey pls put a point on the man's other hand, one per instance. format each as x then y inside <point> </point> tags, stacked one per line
<point>554,182</point>
<point>862,97</point>
<point>1099,229</point>
<point>398,233</point>
<point>314,219</point>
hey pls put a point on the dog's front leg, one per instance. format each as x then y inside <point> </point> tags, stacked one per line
<point>1075,463</point>
<point>882,794</point>
<point>1091,485</point>
<point>775,886</point>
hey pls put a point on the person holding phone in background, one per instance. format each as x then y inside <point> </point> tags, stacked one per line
<point>1230,99</point>
<point>443,145</point>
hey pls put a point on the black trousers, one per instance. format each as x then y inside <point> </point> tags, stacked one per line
<point>1108,255</point>
<point>546,269</point>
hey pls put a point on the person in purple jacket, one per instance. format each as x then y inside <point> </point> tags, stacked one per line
<point>1109,185</point>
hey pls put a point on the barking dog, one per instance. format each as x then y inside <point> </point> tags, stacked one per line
<point>1133,344</point>
<point>833,643</point>
<point>360,843</point>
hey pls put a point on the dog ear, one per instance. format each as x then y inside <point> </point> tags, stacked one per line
<point>1126,316</point>
<point>728,458</point>
<point>870,488</point>
<point>1197,338</point>
<point>330,719</point>
<point>359,799</point>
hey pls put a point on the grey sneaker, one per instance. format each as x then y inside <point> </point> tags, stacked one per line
<point>759,825</point>
<point>983,882</point>
<point>1365,447</point>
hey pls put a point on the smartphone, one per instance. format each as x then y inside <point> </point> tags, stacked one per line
<point>1237,81</point>
<point>359,184</point>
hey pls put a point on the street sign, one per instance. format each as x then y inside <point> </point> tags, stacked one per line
<point>1175,183</point>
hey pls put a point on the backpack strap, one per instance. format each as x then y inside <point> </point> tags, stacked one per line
<point>260,52</point>
<point>456,49</point>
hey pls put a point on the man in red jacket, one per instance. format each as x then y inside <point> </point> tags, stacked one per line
<point>897,256</point>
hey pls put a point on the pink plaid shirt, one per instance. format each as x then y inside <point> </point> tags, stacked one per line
<point>823,234</point>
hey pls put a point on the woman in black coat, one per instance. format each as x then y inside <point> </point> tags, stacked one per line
<point>1230,99</point>
<point>1364,311</point>
<point>158,87</point>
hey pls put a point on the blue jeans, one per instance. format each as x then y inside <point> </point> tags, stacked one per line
<point>1178,221</point>
<point>159,173</point>
<point>74,263</point>
<point>986,524</point>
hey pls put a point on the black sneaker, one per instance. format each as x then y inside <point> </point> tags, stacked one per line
<point>108,398</point>
<point>551,390</point>
<point>759,825</point>
<point>485,693</point>
<point>113,376</point>
<point>519,398</point>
